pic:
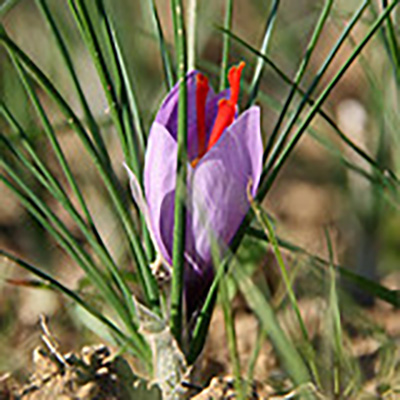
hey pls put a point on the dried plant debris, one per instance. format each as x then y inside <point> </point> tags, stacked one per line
<point>94,373</point>
<point>222,388</point>
<point>7,387</point>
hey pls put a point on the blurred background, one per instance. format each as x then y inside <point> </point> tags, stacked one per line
<point>325,184</point>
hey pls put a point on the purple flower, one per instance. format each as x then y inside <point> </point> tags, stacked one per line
<point>225,154</point>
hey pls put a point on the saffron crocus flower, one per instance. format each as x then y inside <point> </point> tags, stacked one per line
<point>224,153</point>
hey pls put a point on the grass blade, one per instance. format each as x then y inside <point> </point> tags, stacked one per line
<point>49,131</point>
<point>142,352</point>
<point>61,234</point>
<point>289,356</point>
<point>384,173</point>
<point>127,83</point>
<point>200,330</point>
<point>268,229</point>
<point>81,15</point>
<point>255,83</point>
<point>148,283</point>
<point>6,6</point>
<point>229,322</point>
<point>178,259</point>
<point>136,138</point>
<point>55,189</point>
<point>266,185</point>
<point>94,129</point>
<point>261,336</point>
<point>306,96</point>
<point>231,337</point>
<point>334,317</point>
<point>165,57</point>
<point>226,45</point>
<point>299,76</point>
<point>393,44</point>
<point>390,296</point>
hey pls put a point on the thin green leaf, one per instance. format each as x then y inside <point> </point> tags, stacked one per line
<point>255,83</point>
<point>129,111</point>
<point>261,336</point>
<point>269,231</point>
<point>142,351</point>
<point>62,47</point>
<point>50,133</point>
<point>335,319</point>
<point>229,323</point>
<point>119,73</point>
<point>166,61</point>
<point>128,86</point>
<point>226,45</point>
<point>299,76</point>
<point>178,260</point>
<point>56,190</point>
<point>200,330</point>
<point>390,296</point>
<point>7,6</point>
<point>60,232</point>
<point>136,137</point>
<point>262,218</point>
<point>146,278</point>
<point>393,44</point>
<point>291,360</point>
<point>231,338</point>
<point>267,183</point>
<point>385,173</point>
<point>306,96</point>
<point>81,14</point>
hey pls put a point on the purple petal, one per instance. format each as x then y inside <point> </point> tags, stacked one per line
<point>137,193</point>
<point>159,186</point>
<point>220,180</point>
<point>140,202</point>
<point>168,113</point>
<point>242,143</point>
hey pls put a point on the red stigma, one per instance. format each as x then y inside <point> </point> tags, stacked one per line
<point>201,97</point>
<point>234,75</point>
<point>225,116</point>
<point>227,108</point>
